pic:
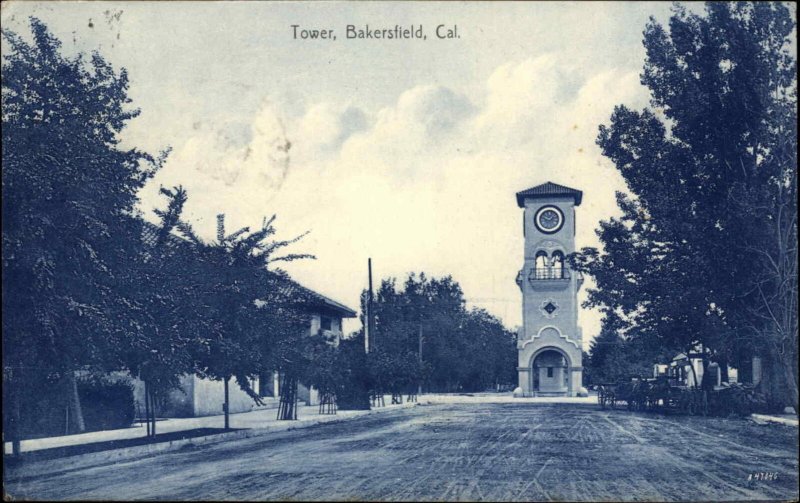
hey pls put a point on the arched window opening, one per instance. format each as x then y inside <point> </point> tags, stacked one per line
<point>542,268</point>
<point>558,265</point>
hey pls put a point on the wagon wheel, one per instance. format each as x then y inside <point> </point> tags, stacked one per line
<point>682,404</point>
<point>673,404</point>
<point>691,406</point>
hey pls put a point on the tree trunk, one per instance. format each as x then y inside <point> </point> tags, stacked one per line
<point>150,409</point>
<point>227,405</point>
<point>147,409</point>
<point>723,368</point>
<point>419,384</point>
<point>16,447</point>
<point>153,410</point>
<point>790,376</point>
<point>707,384</point>
<point>75,402</point>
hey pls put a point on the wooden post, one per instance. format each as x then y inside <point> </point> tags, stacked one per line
<point>287,408</point>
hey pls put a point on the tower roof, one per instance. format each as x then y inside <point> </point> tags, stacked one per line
<point>547,190</point>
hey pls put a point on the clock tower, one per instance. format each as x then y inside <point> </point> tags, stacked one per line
<point>549,343</point>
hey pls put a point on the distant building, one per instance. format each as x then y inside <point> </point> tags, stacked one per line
<point>550,340</point>
<point>198,396</point>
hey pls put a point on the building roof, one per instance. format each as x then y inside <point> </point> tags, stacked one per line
<point>546,190</point>
<point>287,286</point>
<point>313,299</point>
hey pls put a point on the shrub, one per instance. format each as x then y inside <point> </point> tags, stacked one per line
<point>737,399</point>
<point>107,404</point>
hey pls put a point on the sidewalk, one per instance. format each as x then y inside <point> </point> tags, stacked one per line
<point>263,419</point>
<point>443,398</point>
<point>787,419</point>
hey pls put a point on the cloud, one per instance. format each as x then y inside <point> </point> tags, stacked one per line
<point>520,97</point>
<point>431,110</point>
<point>404,138</point>
<point>430,184</point>
<point>425,183</point>
<point>231,166</point>
<point>325,126</point>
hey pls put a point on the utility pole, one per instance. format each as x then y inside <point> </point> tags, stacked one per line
<point>368,325</point>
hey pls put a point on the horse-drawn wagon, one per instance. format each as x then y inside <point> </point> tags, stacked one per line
<point>653,394</point>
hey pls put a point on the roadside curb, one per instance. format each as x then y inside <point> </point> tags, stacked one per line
<point>762,418</point>
<point>467,399</point>
<point>51,466</point>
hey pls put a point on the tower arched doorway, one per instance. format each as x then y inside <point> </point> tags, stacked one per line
<point>550,372</point>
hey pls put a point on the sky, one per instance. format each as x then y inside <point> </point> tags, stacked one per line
<point>406,151</point>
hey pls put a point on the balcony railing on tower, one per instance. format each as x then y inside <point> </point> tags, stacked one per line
<point>548,273</point>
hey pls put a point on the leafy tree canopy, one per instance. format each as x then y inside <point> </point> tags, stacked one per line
<point>705,250</point>
<point>69,193</point>
<point>462,349</point>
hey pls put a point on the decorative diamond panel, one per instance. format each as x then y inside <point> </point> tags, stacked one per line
<point>548,308</point>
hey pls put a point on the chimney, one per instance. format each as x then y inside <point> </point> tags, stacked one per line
<point>221,227</point>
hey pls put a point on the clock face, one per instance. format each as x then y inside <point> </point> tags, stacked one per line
<point>549,219</point>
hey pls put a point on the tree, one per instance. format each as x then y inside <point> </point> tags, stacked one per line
<point>705,253</point>
<point>69,194</point>
<point>245,315</point>
<point>461,349</point>
<point>613,357</point>
<point>324,372</point>
<point>486,336</point>
<point>293,350</point>
<point>353,390</point>
<point>163,308</point>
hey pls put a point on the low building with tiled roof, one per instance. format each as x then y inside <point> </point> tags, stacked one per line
<point>203,397</point>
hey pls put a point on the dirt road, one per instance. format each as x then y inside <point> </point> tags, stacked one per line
<point>464,452</point>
